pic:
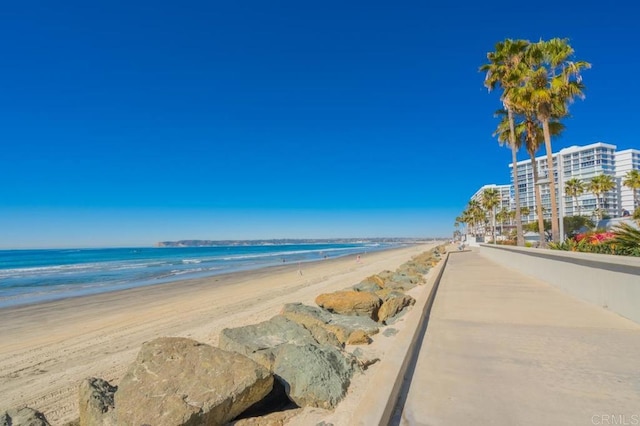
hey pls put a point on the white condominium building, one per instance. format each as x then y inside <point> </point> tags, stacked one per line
<point>626,160</point>
<point>585,163</point>
<point>581,162</point>
<point>506,201</point>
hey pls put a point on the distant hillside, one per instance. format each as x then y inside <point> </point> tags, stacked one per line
<point>209,243</point>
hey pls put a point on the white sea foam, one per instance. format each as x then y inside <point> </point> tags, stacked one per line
<point>108,270</point>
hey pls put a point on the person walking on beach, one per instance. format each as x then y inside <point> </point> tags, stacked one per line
<point>358,259</point>
<point>299,269</point>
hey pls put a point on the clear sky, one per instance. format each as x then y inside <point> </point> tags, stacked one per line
<point>132,122</point>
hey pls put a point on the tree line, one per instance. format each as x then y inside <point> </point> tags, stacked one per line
<point>537,82</point>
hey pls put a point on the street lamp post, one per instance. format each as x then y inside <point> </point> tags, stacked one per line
<point>561,213</point>
<point>545,181</point>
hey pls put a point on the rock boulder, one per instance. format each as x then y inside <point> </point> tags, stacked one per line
<point>340,326</point>
<point>351,302</point>
<point>391,307</point>
<point>96,402</point>
<point>23,417</point>
<point>260,341</point>
<point>314,376</point>
<point>178,381</point>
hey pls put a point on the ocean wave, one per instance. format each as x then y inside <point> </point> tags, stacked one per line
<point>291,253</point>
<point>39,276</point>
<point>74,268</point>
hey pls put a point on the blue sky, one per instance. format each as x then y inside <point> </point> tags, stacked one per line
<point>127,123</point>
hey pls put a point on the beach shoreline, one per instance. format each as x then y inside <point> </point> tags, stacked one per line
<point>49,347</point>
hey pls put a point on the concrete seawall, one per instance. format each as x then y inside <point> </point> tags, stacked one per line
<point>612,282</point>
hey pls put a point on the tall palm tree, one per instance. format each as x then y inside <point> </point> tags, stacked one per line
<point>554,82</point>
<point>534,140</point>
<point>490,200</point>
<point>632,181</point>
<point>574,187</point>
<point>506,69</point>
<point>529,133</point>
<point>601,184</point>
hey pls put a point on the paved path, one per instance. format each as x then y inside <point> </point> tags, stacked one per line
<point>505,349</point>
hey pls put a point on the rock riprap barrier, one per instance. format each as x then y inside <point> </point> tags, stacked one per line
<point>298,358</point>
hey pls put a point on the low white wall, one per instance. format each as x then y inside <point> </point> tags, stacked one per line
<point>612,282</point>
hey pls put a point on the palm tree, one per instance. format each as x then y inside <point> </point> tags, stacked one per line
<point>529,133</point>
<point>526,211</point>
<point>632,181</point>
<point>554,82</point>
<point>467,219</point>
<point>574,187</point>
<point>506,69</point>
<point>601,184</point>
<point>473,215</point>
<point>627,239</point>
<point>490,200</point>
<point>502,216</point>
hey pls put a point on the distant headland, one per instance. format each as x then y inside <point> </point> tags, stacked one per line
<point>283,241</point>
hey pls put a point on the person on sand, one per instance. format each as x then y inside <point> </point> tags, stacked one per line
<point>299,269</point>
<point>358,259</point>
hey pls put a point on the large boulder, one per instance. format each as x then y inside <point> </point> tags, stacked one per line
<point>260,341</point>
<point>391,307</point>
<point>351,302</point>
<point>388,293</point>
<point>279,418</point>
<point>340,326</point>
<point>23,417</point>
<point>314,376</point>
<point>418,267</point>
<point>179,381</point>
<point>400,280</point>
<point>372,283</point>
<point>400,286</point>
<point>413,272</point>
<point>324,335</point>
<point>96,402</point>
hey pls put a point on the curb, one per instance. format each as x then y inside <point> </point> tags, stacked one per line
<point>384,398</point>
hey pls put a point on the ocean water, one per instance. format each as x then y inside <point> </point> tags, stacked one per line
<point>33,276</point>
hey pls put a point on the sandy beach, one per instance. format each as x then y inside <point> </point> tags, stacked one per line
<point>48,348</point>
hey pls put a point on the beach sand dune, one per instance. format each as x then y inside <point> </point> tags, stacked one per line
<point>48,348</point>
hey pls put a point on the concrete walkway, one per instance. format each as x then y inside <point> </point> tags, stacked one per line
<point>505,349</point>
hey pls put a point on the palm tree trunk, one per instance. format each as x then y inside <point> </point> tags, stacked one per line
<point>493,213</point>
<point>536,190</point>
<point>577,204</point>
<point>555,231</point>
<point>514,160</point>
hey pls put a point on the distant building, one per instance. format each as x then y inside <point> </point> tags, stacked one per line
<point>585,163</point>
<point>581,162</point>
<point>506,202</point>
<point>626,160</point>
<point>505,195</point>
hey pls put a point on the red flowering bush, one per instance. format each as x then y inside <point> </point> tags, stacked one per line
<point>594,238</point>
<point>624,240</point>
